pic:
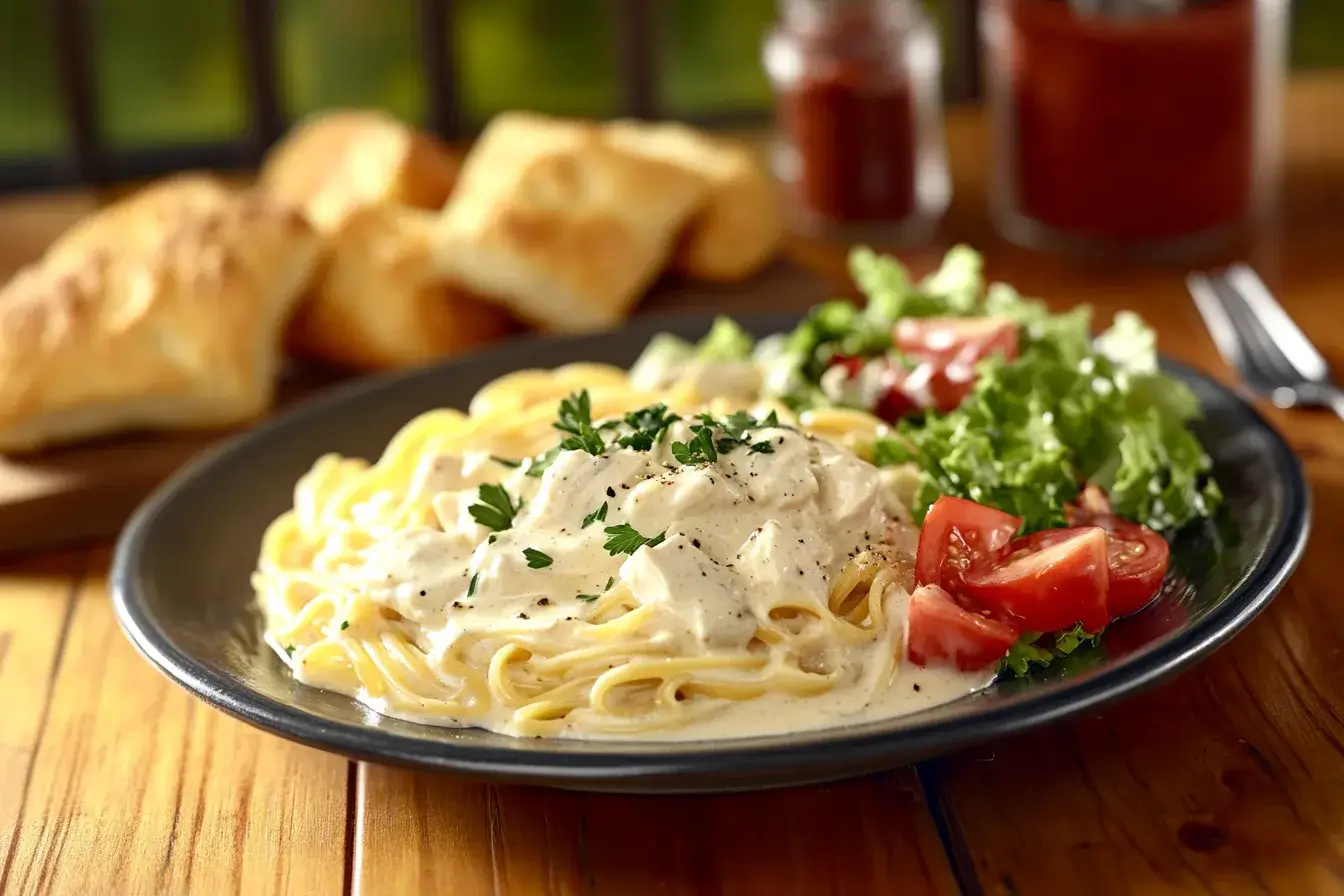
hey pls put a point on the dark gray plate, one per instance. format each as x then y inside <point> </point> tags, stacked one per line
<point>180,586</point>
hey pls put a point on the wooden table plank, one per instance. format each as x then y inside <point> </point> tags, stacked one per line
<point>34,607</point>
<point>419,832</point>
<point>139,786</point>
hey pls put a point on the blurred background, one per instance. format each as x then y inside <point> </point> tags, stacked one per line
<point>153,85</point>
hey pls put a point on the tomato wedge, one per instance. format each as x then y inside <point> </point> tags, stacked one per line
<point>960,535</point>
<point>940,632</point>
<point>1051,581</point>
<point>1137,556</point>
<point>963,340</point>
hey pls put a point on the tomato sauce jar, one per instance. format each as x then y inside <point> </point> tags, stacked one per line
<point>860,149</point>
<point>1139,125</point>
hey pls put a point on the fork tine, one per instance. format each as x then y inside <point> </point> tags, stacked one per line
<point>1282,331</point>
<point>1219,323</point>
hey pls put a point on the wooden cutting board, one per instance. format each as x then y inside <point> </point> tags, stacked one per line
<point>89,491</point>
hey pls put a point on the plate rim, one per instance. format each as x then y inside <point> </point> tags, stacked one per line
<point>728,759</point>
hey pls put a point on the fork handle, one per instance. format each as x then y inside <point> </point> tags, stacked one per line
<point>1333,397</point>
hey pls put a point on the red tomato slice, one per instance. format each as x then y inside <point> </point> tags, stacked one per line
<point>947,349</point>
<point>960,535</point>
<point>962,339</point>
<point>940,632</point>
<point>1137,558</point>
<point>1052,580</point>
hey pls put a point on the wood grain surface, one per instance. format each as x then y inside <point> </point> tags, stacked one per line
<point>1228,780</point>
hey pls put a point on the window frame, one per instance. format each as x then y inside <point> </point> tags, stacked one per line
<point>88,158</point>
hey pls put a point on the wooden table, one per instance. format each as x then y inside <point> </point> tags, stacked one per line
<point>1228,780</point>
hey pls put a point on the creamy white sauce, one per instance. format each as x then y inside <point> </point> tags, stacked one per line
<point>740,536</point>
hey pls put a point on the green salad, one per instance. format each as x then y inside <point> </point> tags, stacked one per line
<point>1069,409</point>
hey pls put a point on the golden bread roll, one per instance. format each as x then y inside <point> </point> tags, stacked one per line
<point>141,219</point>
<point>175,323</point>
<point>741,225</point>
<point>337,162</point>
<point>380,303</point>
<point>555,223</point>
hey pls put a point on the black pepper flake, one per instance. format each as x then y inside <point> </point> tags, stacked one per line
<point>695,542</point>
<point>522,615</point>
<point>916,685</point>
<point>457,605</point>
<point>544,602</point>
<point>704,574</point>
<point>800,541</point>
<point>626,487</point>
<point>800,570</point>
<point>611,492</point>
<point>681,547</point>
<point>422,592</point>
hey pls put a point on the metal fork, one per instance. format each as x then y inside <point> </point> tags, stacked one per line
<point>1258,339</point>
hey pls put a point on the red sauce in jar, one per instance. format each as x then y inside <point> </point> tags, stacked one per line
<point>855,146</point>
<point>1131,131</point>
<point>846,109</point>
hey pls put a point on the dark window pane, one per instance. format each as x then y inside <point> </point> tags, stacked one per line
<point>711,54</point>
<point>1318,33</point>
<point>542,55</point>
<point>351,53</point>
<point>169,71</point>
<point>31,122</point>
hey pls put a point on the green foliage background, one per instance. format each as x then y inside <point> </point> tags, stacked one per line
<point>168,70</point>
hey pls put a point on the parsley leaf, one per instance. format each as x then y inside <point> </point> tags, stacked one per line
<point>471,586</point>
<point>537,559</point>
<point>762,448</point>
<point>506,462</point>
<point>699,450</point>
<point>345,625</point>
<point>648,425</point>
<point>625,539</point>
<point>597,516</point>
<point>495,510</point>
<point>587,598</point>
<point>289,650</point>
<point>576,418</point>
<point>539,464</point>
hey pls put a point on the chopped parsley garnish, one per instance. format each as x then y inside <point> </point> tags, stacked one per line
<point>537,559</point>
<point>597,516</point>
<point>648,425</point>
<point>345,625</point>
<point>589,598</point>
<point>705,448</point>
<point>576,418</point>
<point>540,463</point>
<point>625,539</point>
<point>506,462</point>
<point>471,586</point>
<point>699,450</point>
<point>495,510</point>
<point>289,650</point>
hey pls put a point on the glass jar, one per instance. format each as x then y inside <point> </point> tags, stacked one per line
<point>860,145</point>
<point>1146,126</point>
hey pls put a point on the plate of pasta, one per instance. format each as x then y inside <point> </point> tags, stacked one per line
<point>707,554</point>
